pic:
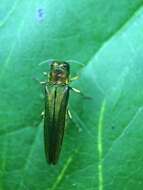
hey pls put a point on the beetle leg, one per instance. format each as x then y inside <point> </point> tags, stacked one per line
<point>74,78</point>
<point>42,82</point>
<point>76,90</point>
<point>69,114</point>
<point>45,73</point>
<point>42,114</point>
<point>79,92</point>
<point>72,120</point>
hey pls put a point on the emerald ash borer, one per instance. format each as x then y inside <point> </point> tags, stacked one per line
<point>56,101</point>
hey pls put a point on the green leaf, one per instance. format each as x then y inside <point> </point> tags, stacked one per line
<point>102,146</point>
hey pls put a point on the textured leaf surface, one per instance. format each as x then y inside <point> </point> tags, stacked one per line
<point>106,152</point>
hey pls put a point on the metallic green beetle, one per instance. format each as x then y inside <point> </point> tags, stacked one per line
<point>56,100</point>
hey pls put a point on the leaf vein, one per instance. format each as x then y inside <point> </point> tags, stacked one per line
<point>139,110</point>
<point>11,11</point>
<point>63,171</point>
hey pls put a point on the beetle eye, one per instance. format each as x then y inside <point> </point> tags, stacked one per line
<point>64,66</point>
